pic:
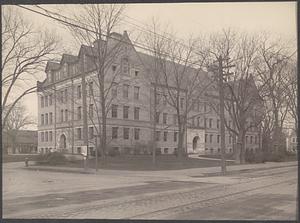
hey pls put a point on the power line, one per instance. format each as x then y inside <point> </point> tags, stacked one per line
<point>49,13</point>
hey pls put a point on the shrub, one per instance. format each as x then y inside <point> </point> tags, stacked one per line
<point>113,152</point>
<point>54,158</point>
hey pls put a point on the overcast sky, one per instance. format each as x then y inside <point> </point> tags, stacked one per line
<point>277,18</point>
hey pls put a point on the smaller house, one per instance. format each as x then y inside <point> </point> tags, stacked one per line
<point>20,142</point>
<point>291,140</point>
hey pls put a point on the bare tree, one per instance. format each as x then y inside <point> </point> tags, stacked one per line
<point>97,23</point>
<point>16,120</point>
<point>274,58</point>
<point>182,81</point>
<point>24,52</point>
<point>291,87</point>
<point>156,42</point>
<point>242,98</point>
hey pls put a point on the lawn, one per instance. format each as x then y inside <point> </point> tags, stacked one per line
<point>18,157</point>
<point>144,162</point>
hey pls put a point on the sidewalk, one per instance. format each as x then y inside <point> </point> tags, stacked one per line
<point>198,172</point>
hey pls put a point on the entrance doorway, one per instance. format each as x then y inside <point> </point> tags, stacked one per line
<point>195,143</point>
<point>62,142</point>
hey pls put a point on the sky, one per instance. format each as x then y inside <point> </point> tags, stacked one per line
<point>185,19</point>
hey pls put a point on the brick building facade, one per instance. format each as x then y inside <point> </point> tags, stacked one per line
<point>130,114</point>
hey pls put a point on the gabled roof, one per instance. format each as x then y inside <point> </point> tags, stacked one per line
<point>68,58</point>
<point>51,65</point>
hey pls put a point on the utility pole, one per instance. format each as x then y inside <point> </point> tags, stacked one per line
<point>222,115</point>
<point>85,124</point>
<point>220,76</point>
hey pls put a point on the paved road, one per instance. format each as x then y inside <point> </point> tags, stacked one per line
<point>263,194</point>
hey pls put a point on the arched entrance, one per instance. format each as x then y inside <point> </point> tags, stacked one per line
<point>195,142</point>
<point>62,142</point>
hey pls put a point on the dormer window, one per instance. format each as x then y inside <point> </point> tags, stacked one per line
<point>114,68</point>
<point>125,66</point>
<point>65,70</point>
<point>52,77</point>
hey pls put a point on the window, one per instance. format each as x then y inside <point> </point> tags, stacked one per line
<point>136,133</point>
<point>114,68</point>
<point>66,115</point>
<point>211,150</point>
<point>125,66</point>
<point>91,110</point>
<point>136,93</point>
<point>205,121</point>
<point>218,124</point>
<point>62,96</point>
<point>255,139</point>
<point>175,136</point>
<point>46,101</point>
<point>175,119</point>
<point>198,121</point>
<point>165,100</point>
<point>157,117</point>
<point>229,139</point>
<point>50,99</point>
<point>218,139</point>
<point>79,113</point>
<point>194,105</point>
<point>165,115</point>
<point>46,118</point>
<point>205,137</point>
<point>114,90</point>
<point>126,133</point>
<point>136,73</point>
<point>125,112</point>
<point>181,102</point>
<point>50,136</point>
<point>251,139</point>
<point>79,150</point>
<point>125,90</point>
<point>210,123</point>
<point>42,101</point>
<point>42,136</point>
<point>193,121</point>
<point>91,132</point>
<point>157,98</point>
<point>91,89</point>
<point>42,119</point>
<point>219,150</point>
<point>114,132</point>
<point>61,115</point>
<point>79,91</point>
<point>114,111</point>
<point>165,136</point>
<point>246,139</point>
<point>50,117</point>
<point>166,150</point>
<point>46,136</point>
<point>205,109</point>
<point>136,113</point>
<point>79,137</point>
<point>210,138</point>
<point>157,135</point>
<point>66,95</point>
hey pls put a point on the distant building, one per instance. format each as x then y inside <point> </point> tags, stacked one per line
<point>20,142</point>
<point>130,120</point>
<point>291,141</point>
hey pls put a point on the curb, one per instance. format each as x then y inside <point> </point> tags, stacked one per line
<point>205,174</point>
<point>42,168</point>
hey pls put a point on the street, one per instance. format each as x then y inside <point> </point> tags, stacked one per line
<point>259,194</point>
